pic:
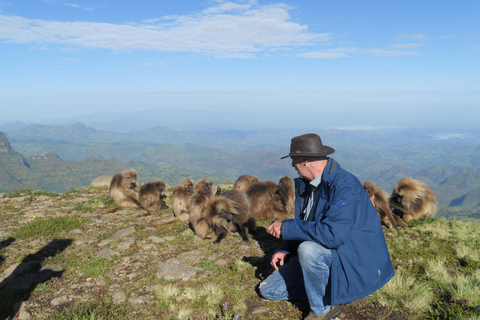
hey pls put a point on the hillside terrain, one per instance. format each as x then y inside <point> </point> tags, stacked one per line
<point>59,158</point>
<point>61,259</point>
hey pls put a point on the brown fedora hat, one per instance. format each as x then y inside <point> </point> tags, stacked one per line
<point>309,144</point>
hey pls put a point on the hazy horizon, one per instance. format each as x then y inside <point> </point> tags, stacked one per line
<point>378,63</point>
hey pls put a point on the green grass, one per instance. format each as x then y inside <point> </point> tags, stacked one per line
<point>32,193</point>
<point>95,268</point>
<point>436,270</point>
<point>98,310</point>
<point>96,204</point>
<point>48,227</point>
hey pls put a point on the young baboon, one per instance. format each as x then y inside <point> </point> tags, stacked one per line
<point>181,199</point>
<point>199,208</point>
<point>244,181</point>
<point>150,197</point>
<point>412,199</point>
<point>284,199</point>
<point>230,211</point>
<point>379,199</point>
<point>123,190</point>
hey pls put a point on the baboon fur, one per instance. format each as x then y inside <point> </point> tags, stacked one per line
<point>244,181</point>
<point>199,208</point>
<point>284,199</point>
<point>181,199</point>
<point>412,199</point>
<point>269,202</point>
<point>123,190</point>
<point>230,211</point>
<point>150,196</point>
<point>380,199</point>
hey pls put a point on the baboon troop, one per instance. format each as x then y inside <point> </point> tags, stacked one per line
<point>123,190</point>
<point>410,200</point>
<point>271,201</point>
<point>251,199</point>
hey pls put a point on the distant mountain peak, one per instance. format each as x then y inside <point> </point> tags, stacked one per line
<point>4,143</point>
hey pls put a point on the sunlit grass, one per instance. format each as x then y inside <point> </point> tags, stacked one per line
<point>48,227</point>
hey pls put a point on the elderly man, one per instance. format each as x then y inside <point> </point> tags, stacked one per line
<point>334,250</point>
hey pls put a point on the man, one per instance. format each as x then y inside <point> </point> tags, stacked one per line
<point>334,250</point>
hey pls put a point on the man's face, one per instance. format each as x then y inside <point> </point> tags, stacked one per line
<point>297,163</point>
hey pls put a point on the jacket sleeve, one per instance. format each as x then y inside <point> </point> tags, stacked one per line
<point>334,221</point>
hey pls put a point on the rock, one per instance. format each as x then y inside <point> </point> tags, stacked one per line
<point>118,297</point>
<point>102,181</point>
<point>119,234</point>
<point>175,269</point>
<point>107,253</point>
<point>135,301</point>
<point>126,244</point>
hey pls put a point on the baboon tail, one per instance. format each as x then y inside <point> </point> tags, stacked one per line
<point>111,210</point>
<point>153,223</point>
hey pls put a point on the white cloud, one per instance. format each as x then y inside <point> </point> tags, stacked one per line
<point>76,6</point>
<point>407,45</point>
<point>323,55</point>
<point>389,53</point>
<point>226,28</point>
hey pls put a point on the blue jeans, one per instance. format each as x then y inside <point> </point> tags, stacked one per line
<point>303,277</point>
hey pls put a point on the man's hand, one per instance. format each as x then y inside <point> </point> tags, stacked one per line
<point>275,229</point>
<point>278,260</point>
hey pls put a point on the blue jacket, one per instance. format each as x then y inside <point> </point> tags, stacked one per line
<point>345,221</point>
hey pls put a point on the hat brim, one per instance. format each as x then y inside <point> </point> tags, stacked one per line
<point>326,151</point>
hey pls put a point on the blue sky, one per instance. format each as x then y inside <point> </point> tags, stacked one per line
<point>66,58</point>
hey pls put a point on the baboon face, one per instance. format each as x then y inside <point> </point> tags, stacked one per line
<point>130,179</point>
<point>188,183</point>
<point>204,187</point>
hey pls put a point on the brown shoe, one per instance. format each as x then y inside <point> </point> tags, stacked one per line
<point>331,314</point>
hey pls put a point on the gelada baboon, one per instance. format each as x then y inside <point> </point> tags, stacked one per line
<point>199,208</point>
<point>267,201</point>
<point>244,181</point>
<point>379,199</point>
<point>150,197</point>
<point>284,199</point>
<point>181,199</point>
<point>123,190</point>
<point>230,211</point>
<point>412,199</point>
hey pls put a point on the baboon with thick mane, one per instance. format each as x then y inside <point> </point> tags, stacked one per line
<point>412,199</point>
<point>199,208</point>
<point>269,201</point>
<point>123,190</point>
<point>181,199</point>
<point>230,211</point>
<point>244,181</point>
<point>379,199</point>
<point>150,197</point>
